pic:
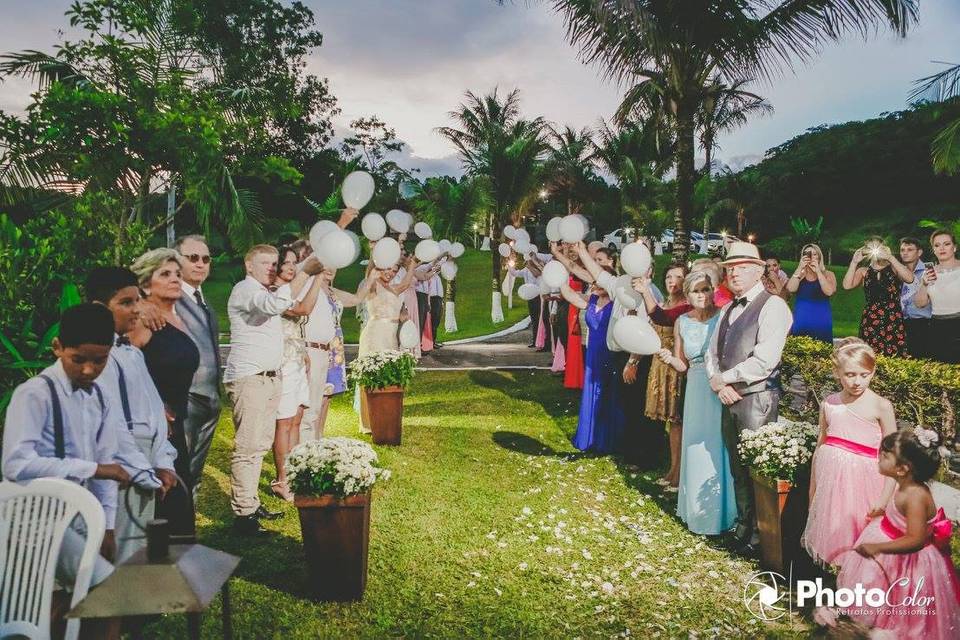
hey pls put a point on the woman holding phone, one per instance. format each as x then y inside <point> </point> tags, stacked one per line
<point>940,287</point>
<point>881,325</point>
<point>813,285</point>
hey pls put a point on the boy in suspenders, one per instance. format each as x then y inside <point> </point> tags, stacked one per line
<point>143,449</point>
<point>59,424</point>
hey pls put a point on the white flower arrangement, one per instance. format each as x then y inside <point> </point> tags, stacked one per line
<point>778,450</point>
<point>338,466</point>
<point>383,369</point>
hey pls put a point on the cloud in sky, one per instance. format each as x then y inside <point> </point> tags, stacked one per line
<point>410,63</point>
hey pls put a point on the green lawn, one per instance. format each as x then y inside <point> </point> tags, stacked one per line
<point>473,297</point>
<point>491,526</point>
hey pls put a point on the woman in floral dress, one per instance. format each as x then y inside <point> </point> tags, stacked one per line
<point>881,325</point>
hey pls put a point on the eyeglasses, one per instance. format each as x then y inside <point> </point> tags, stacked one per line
<point>196,257</point>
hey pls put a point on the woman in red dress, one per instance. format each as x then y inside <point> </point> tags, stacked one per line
<point>573,373</point>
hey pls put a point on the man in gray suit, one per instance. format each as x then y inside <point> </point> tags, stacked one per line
<point>743,363</point>
<point>203,408</point>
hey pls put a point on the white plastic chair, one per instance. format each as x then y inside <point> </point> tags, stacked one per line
<point>33,518</point>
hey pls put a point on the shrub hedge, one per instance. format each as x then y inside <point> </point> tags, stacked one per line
<point>922,392</point>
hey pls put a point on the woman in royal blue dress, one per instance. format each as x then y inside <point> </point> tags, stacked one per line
<point>601,415</point>
<point>705,501</point>
<point>813,285</point>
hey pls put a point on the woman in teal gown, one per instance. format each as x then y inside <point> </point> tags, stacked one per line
<point>705,500</point>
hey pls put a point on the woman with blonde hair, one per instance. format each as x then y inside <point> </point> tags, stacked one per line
<point>813,285</point>
<point>940,289</point>
<point>172,357</point>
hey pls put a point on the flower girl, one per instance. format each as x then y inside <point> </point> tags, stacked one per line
<point>845,487</point>
<point>906,553</point>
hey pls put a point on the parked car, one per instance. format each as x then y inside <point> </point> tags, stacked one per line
<point>619,237</point>
<point>667,240</point>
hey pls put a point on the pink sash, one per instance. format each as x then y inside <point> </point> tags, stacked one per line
<point>851,446</point>
<point>426,342</point>
<point>940,531</point>
<point>541,340</point>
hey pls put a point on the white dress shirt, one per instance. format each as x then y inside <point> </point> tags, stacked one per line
<point>148,420</point>
<point>256,335</point>
<point>527,275</point>
<point>190,290</point>
<point>320,325</point>
<point>89,436</point>
<point>432,286</point>
<point>775,321</point>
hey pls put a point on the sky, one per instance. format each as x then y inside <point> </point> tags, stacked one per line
<point>410,63</point>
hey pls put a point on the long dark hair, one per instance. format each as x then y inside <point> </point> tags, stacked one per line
<point>923,461</point>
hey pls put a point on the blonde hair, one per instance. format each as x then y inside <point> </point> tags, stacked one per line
<point>696,277</point>
<point>816,248</point>
<point>257,249</point>
<point>853,350</point>
<point>707,265</point>
<point>149,263</point>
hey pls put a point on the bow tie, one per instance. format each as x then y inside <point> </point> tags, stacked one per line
<point>122,340</point>
<point>740,301</point>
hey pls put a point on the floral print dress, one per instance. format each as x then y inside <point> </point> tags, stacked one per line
<point>337,373</point>
<point>881,325</point>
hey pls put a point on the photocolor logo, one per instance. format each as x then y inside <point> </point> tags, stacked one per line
<point>765,595</point>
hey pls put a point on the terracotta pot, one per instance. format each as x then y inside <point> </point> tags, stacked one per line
<point>384,409</point>
<point>781,517</point>
<point>336,536</point>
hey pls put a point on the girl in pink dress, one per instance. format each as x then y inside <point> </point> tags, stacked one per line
<point>845,487</point>
<point>906,553</point>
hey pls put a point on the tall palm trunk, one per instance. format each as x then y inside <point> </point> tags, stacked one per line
<point>685,180</point>
<point>496,304</point>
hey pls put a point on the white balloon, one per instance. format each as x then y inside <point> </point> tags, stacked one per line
<point>544,287</point>
<point>504,249</point>
<point>409,336</point>
<point>427,250</point>
<point>335,250</point>
<point>571,229</point>
<point>510,232</point>
<point>521,246</point>
<point>625,295</point>
<point>529,291</point>
<point>553,229</point>
<point>357,189</point>
<point>423,230</point>
<point>586,223</point>
<point>373,226</point>
<point>319,230</point>
<point>448,270</point>
<point>521,235</point>
<point>457,249</point>
<point>356,244</point>
<point>398,220</point>
<point>385,253</point>
<point>555,274</point>
<point>635,259</point>
<point>635,335</point>
<point>444,246</point>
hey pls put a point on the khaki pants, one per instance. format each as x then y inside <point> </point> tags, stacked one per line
<point>255,400</point>
<point>317,379</point>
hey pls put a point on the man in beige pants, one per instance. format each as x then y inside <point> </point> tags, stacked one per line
<point>252,376</point>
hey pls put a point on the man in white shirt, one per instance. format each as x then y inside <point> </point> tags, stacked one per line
<point>60,424</point>
<point>531,273</point>
<point>252,375</point>
<point>429,290</point>
<point>743,364</point>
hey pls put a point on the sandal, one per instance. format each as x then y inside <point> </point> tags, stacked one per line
<point>281,490</point>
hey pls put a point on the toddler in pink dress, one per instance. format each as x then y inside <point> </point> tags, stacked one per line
<point>845,486</point>
<point>906,553</point>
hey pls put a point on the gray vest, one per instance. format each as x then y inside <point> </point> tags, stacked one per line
<point>203,328</point>
<point>735,343</point>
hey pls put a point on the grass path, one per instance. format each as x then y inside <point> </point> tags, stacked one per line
<point>491,526</point>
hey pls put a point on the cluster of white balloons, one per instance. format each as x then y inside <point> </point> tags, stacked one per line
<point>520,242</point>
<point>336,247</point>
<point>571,228</point>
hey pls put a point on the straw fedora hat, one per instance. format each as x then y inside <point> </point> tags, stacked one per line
<point>740,252</point>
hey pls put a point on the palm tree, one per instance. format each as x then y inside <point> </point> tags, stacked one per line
<point>725,108</point>
<point>569,165</point>
<point>676,47</point>
<point>945,149</point>
<point>496,144</point>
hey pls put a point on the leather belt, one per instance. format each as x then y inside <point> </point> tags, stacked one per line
<point>267,374</point>
<point>323,346</point>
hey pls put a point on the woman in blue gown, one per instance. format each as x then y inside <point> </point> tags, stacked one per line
<point>601,414</point>
<point>813,285</point>
<point>705,500</point>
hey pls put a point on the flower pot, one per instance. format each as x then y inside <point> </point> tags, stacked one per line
<point>781,517</point>
<point>384,413</point>
<point>336,535</point>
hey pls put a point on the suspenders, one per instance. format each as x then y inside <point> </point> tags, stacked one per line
<point>124,398</point>
<point>59,444</point>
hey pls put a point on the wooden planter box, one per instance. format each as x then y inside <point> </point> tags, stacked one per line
<point>381,411</point>
<point>336,536</point>
<point>781,517</point>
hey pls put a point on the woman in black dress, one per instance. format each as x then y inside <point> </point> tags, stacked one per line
<point>172,358</point>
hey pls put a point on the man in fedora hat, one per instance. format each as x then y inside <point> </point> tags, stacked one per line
<point>743,364</point>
